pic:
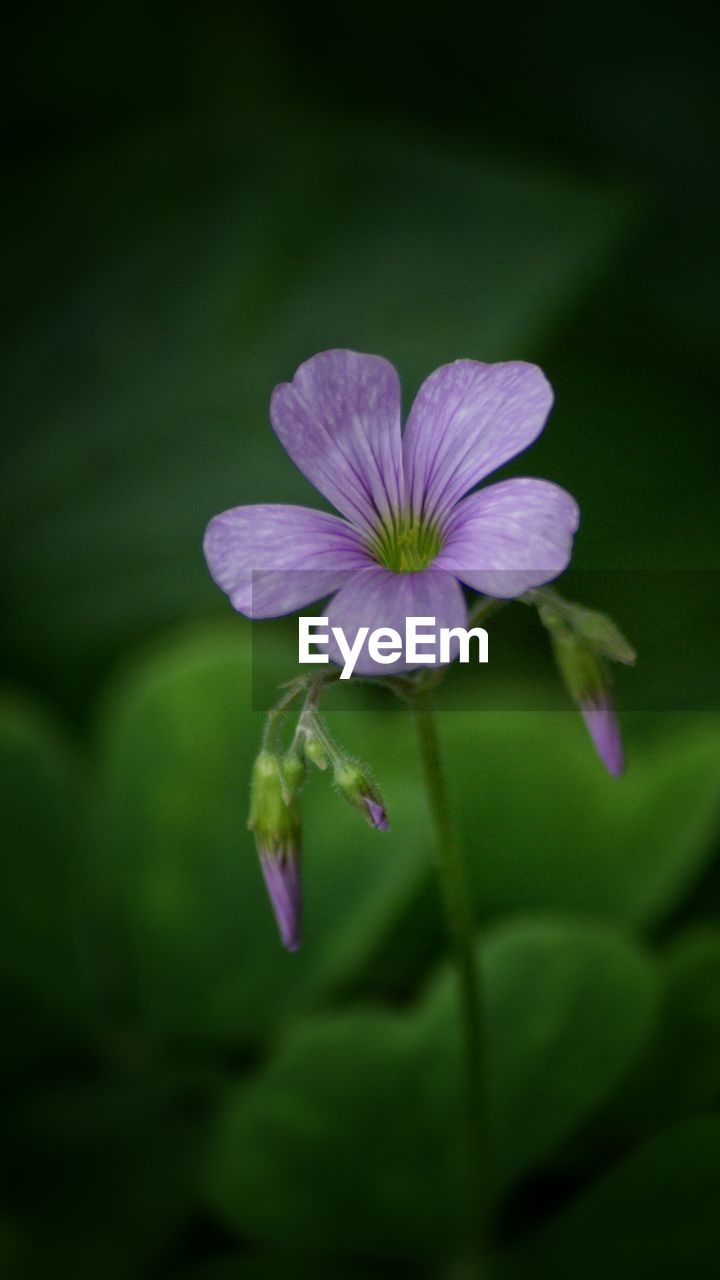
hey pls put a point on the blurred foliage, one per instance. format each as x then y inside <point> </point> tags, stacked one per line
<point>368,1100</point>
<point>271,1109</point>
<point>199,203</point>
<point>654,1214</point>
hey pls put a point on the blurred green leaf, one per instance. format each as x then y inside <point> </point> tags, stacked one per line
<point>679,1073</point>
<point>569,1007</point>
<point>343,1144</point>
<point>690,1058</point>
<point>553,830</point>
<point>272,1265</point>
<point>43,960</point>
<point>653,1215</point>
<point>177,746</point>
<point>351,1141</point>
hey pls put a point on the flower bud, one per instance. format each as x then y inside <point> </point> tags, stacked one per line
<point>602,724</point>
<point>315,751</point>
<point>276,825</point>
<point>588,685</point>
<point>599,631</point>
<point>292,774</point>
<point>354,783</point>
<point>579,667</point>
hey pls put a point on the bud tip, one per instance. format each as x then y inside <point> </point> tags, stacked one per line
<point>282,879</point>
<point>377,814</point>
<point>602,724</point>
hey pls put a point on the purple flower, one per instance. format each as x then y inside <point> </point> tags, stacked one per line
<point>409,535</point>
<point>599,715</point>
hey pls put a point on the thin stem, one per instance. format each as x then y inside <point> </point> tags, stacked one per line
<point>453,884</point>
<point>484,608</point>
<point>315,724</point>
<point>311,686</point>
<point>276,715</point>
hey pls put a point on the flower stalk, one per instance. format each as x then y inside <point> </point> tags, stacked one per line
<point>453,886</point>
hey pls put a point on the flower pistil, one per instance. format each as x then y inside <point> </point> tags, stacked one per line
<point>407,545</point>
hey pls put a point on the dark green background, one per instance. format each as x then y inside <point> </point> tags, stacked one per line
<point>201,199</point>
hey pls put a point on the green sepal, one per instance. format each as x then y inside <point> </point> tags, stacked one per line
<point>582,670</point>
<point>355,783</point>
<point>315,751</point>
<point>598,631</point>
<point>272,818</point>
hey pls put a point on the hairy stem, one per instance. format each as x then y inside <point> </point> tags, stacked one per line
<point>453,885</point>
<point>309,686</point>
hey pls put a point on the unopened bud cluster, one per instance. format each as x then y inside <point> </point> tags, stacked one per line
<point>275,813</point>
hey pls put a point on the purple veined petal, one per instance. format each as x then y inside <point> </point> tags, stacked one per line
<point>468,419</point>
<point>273,559</point>
<point>510,537</point>
<point>602,725</point>
<point>377,598</point>
<point>339,420</point>
<point>281,871</point>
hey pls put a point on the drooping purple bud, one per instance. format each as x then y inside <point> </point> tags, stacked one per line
<point>588,683</point>
<point>281,869</point>
<point>602,723</point>
<point>378,816</point>
<point>355,784</point>
<point>275,821</point>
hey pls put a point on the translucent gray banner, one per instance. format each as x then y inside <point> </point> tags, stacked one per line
<point>671,618</point>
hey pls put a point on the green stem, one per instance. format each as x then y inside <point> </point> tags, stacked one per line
<point>484,608</point>
<point>311,687</point>
<point>453,884</point>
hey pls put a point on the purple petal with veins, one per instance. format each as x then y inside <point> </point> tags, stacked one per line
<point>339,419</point>
<point>468,419</point>
<point>380,600</point>
<point>273,559</point>
<point>510,537</point>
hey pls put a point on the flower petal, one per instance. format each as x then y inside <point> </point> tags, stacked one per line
<point>380,599</point>
<point>304,554</point>
<point>339,419</point>
<point>510,537</point>
<point>602,724</point>
<point>468,419</point>
<point>377,814</point>
<point>281,870</point>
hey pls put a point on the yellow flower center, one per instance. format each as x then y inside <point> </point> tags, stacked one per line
<point>407,545</point>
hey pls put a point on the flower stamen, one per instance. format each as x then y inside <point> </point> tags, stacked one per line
<point>408,545</point>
